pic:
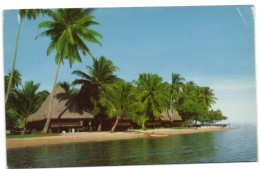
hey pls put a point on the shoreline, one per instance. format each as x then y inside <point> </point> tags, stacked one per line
<point>14,143</point>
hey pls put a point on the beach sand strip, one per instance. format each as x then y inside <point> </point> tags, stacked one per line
<point>98,136</point>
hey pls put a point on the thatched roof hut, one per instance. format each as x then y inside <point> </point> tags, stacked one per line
<point>170,116</point>
<point>59,110</point>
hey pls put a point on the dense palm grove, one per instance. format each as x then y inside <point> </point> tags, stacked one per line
<point>97,89</point>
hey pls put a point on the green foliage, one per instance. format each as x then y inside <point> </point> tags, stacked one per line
<point>22,103</point>
<point>11,119</point>
<point>153,95</point>
<point>100,75</point>
<point>30,13</point>
<point>120,98</point>
<point>101,91</point>
<point>215,116</point>
<point>193,102</point>
<point>16,81</point>
<point>206,96</point>
<point>67,30</point>
<point>177,81</point>
<point>26,100</point>
<point>190,110</point>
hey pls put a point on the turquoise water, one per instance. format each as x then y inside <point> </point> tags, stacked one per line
<point>210,147</point>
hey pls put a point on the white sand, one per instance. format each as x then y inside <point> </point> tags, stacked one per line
<point>97,136</point>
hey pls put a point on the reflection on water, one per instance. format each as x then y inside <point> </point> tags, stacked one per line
<point>222,146</point>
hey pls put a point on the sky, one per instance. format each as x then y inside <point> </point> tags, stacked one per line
<point>210,45</point>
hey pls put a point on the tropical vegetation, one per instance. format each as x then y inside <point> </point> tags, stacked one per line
<point>100,75</point>
<point>29,14</point>
<point>67,30</point>
<point>23,101</point>
<point>120,99</point>
<point>153,95</point>
<point>98,89</point>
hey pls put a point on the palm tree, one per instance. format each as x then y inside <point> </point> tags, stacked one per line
<point>154,96</point>
<point>67,30</point>
<point>30,14</point>
<point>120,100</point>
<point>177,81</point>
<point>101,74</point>
<point>188,92</point>
<point>27,100</point>
<point>15,82</point>
<point>206,96</point>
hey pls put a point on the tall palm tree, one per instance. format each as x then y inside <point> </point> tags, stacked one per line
<point>27,100</point>
<point>67,30</point>
<point>101,73</point>
<point>29,14</point>
<point>153,95</point>
<point>120,100</point>
<point>177,81</point>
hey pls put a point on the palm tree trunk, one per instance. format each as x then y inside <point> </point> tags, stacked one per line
<point>100,118</point>
<point>47,124</point>
<point>24,129</point>
<point>14,59</point>
<point>117,120</point>
<point>100,126</point>
<point>143,125</point>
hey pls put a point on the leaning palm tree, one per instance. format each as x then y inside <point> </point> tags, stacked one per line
<point>101,74</point>
<point>67,30</point>
<point>153,95</point>
<point>30,14</point>
<point>120,100</point>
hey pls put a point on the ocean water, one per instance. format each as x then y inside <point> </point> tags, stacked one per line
<point>237,145</point>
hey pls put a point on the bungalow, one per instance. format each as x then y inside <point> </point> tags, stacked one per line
<point>62,118</point>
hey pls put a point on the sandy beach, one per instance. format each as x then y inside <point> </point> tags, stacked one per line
<point>98,136</point>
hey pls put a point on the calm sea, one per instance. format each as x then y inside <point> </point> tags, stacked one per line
<point>238,145</point>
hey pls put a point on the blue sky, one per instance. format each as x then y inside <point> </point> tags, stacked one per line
<point>212,46</point>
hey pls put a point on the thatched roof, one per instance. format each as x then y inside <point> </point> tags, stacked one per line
<point>59,110</point>
<point>167,115</point>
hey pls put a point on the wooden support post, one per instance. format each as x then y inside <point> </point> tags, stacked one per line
<point>90,126</point>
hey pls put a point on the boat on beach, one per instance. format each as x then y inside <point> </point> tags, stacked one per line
<point>156,135</point>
